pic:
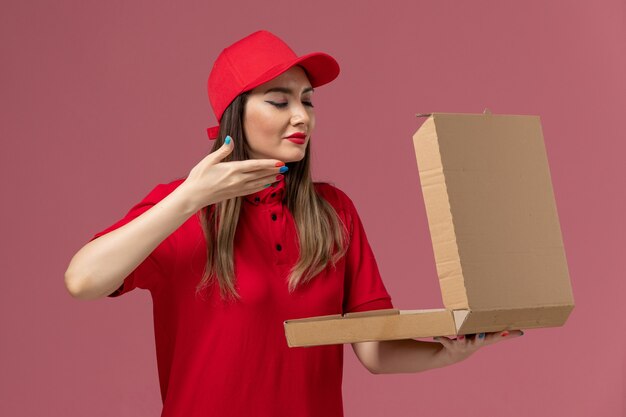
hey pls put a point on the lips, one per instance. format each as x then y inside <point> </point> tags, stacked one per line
<point>297,135</point>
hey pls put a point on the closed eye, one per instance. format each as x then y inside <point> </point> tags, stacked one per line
<point>283,105</point>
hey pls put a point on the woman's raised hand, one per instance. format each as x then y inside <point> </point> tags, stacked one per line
<point>211,180</point>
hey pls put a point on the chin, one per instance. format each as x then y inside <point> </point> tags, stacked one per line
<point>294,157</point>
<point>286,154</point>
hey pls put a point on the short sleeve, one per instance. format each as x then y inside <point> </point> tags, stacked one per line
<point>364,289</point>
<point>150,272</point>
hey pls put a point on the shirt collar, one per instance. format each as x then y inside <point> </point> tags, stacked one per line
<point>271,194</point>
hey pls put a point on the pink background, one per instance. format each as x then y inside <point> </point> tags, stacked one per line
<point>100,101</point>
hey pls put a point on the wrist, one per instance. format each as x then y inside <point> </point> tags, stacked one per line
<point>187,199</point>
<point>445,357</point>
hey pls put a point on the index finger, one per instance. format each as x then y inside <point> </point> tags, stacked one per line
<point>252,165</point>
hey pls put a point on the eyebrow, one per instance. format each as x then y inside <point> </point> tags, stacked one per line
<point>288,90</point>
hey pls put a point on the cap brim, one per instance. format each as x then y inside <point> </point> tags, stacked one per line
<point>320,67</point>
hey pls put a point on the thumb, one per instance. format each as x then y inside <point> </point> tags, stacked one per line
<point>223,151</point>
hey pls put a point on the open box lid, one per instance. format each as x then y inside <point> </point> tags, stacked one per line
<point>491,212</point>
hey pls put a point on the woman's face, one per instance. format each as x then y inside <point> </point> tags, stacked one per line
<point>275,110</point>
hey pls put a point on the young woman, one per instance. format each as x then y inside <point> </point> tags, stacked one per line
<point>246,241</point>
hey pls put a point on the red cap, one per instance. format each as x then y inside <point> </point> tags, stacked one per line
<point>254,60</point>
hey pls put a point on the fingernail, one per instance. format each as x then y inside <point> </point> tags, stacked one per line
<point>283,169</point>
<point>505,333</point>
<point>482,335</point>
<point>279,177</point>
<point>227,140</point>
<point>280,164</point>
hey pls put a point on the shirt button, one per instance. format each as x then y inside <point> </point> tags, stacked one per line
<point>279,248</point>
<point>273,194</point>
<point>273,217</point>
<point>257,199</point>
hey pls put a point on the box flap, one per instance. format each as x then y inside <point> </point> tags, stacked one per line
<point>459,318</point>
<point>486,111</point>
<point>439,215</point>
<point>384,312</point>
<point>491,212</point>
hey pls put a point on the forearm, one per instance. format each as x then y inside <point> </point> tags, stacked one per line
<point>101,266</point>
<point>409,356</point>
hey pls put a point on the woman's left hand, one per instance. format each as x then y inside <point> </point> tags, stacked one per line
<point>462,347</point>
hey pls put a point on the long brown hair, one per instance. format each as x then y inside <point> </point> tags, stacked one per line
<point>322,235</point>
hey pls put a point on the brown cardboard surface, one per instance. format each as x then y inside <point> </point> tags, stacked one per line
<point>514,319</point>
<point>491,210</point>
<point>358,327</point>
<point>495,232</point>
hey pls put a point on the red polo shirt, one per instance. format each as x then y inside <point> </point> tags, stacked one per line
<point>231,359</point>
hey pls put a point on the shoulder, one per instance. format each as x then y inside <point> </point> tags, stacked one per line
<point>335,196</point>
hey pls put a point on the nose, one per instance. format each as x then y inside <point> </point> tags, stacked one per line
<point>300,115</point>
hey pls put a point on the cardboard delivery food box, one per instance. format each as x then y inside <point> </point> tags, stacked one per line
<point>495,233</point>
